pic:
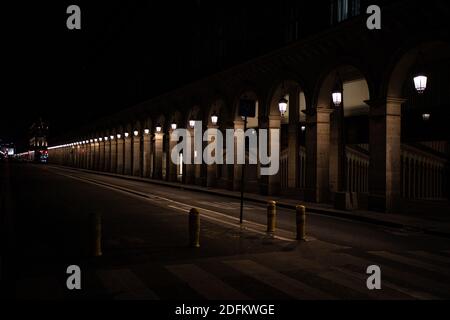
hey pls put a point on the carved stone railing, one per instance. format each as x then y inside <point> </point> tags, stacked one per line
<point>423,171</point>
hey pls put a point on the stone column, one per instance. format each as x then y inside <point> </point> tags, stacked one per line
<point>274,183</point>
<point>385,147</point>
<point>113,154</point>
<point>171,167</point>
<point>96,155</point>
<point>136,155</point>
<point>157,172</point>
<point>190,168</point>
<point>101,144</point>
<point>90,155</point>
<point>127,156</point>
<point>107,166</point>
<point>293,144</point>
<point>317,155</point>
<point>83,155</point>
<point>146,155</point>
<point>211,169</point>
<point>238,124</point>
<point>120,155</point>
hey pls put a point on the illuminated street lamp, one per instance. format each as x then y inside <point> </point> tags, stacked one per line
<point>420,82</point>
<point>336,94</point>
<point>303,128</point>
<point>101,139</point>
<point>282,105</point>
<point>173,126</point>
<point>419,77</point>
<point>426,116</point>
<point>106,138</point>
<point>147,131</point>
<point>111,137</point>
<point>158,128</point>
<point>126,134</point>
<point>95,140</point>
<point>191,123</point>
<point>136,133</point>
<point>214,118</point>
<point>119,136</point>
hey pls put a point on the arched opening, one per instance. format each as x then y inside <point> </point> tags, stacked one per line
<point>288,103</point>
<point>219,118</point>
<point>344,91</point>
<point>249,173</point>
<point>424,165</point>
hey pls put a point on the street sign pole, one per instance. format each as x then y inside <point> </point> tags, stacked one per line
<point>241,216</point>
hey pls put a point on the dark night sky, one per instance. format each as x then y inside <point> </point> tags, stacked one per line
<point>126,52</point>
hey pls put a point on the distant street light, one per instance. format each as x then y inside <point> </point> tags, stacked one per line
<point>146,131</point>
<point>420,78</point>
<point>173,126</point>
<point>126,134</point>
<point>336,94</point>
<point>111,137</point>
<point>282,105</point>
<point>191,123</point>
<point>158,128</point>
<point>426,116</point>
<point>119,136</point>
<point>136,133</point>
<point>214,118</point>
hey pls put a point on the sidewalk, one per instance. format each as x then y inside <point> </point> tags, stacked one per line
<point>428,226</point>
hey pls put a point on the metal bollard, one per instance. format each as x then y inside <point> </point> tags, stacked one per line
<point>194,228</point>
<point>271,216</point>
<point>96,229</point>
<point>301,220</point>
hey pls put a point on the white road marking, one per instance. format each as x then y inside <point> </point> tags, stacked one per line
<point>291,287</point>
<point>206,284</point>
<point>125,285</point>
<point>410,262</point>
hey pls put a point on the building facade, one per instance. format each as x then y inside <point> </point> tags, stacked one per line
<point>385,147</point>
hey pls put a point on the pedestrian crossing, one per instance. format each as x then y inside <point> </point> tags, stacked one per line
<point>402,277</point>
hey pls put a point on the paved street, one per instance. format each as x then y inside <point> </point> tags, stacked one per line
<point>46,222</point>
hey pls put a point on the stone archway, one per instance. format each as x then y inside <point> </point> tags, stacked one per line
<point>337,140</point>
<point>421,173</point>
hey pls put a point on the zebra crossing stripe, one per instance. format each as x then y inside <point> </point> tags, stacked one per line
<point>205,283</point>
<point>386,284</point>
<point>125,285</point>
<point>404,275</point>
<point>291,287</point>
<point>430,256</point>
<point>410,261</point>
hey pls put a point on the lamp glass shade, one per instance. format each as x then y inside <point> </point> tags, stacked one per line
<point>337,98</point>
<point>282,105</point>
<point>420,82</point>
<point>214,119</point>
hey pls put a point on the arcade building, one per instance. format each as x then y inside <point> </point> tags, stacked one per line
<point>363,116</point>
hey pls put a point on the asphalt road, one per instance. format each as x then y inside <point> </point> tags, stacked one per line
<point>146,256</point>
